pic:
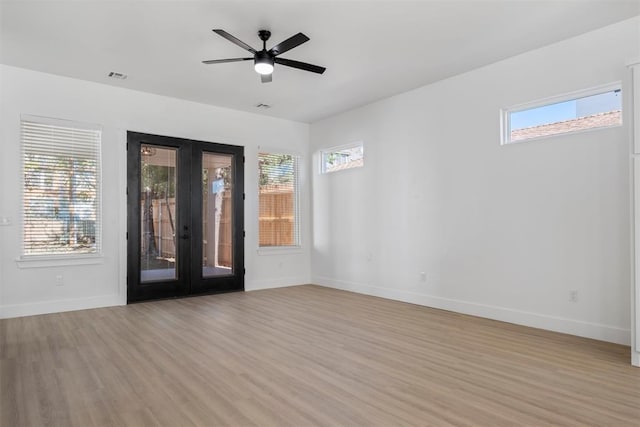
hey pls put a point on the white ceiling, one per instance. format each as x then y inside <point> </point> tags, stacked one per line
<point>372,49</point>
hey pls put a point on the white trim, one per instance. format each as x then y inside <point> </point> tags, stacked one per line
<point>120,136</point>
<point>275,150</point>
<point>635,206</point>
<point>280,282</point>
<point>279,250</point>
<point>634,134</point>
<point>58,306</point>
<point>552,323</point>
<point>505,127</point>
<point>51,121</point>
<point>633,62</point>
<point>634,104</point>
<point>633,226</point>
<point>35,261</point>
<point>505,122</point>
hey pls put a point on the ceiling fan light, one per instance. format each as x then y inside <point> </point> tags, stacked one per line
<point>263,67</point>
<point>263,63</point>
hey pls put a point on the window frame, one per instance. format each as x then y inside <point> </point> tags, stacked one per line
<point>505,113</point>
<point>298,172</point>
<point>323,151</point>
<point>61,259</point>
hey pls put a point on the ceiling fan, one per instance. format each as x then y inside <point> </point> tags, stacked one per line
<point>265,59</point>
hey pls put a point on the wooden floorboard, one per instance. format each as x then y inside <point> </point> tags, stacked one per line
<point>304,356</point>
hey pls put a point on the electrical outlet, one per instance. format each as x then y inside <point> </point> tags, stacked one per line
<point>423,276</point>
<point>573,295</point>
<point>59,280</point>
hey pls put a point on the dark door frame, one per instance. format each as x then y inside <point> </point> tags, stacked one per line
<point>188,230</point>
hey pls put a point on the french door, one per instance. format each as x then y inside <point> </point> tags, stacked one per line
<point>185,217</point>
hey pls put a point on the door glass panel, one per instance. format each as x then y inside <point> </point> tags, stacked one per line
<point>158,216</point>
<point>217,215</point>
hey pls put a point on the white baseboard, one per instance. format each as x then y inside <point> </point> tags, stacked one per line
<point>58,306</point>
<point>280,282</point>
<point>552,323</point>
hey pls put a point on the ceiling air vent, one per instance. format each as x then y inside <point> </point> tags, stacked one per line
<point>119,76</point>
<point>261,105</point>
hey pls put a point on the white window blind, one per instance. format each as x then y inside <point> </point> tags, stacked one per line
<point>61,172</point>
<point>278,195</point>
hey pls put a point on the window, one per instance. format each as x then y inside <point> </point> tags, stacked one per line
<point>278,196</point>
<point>591,109</point>
<point>61,170</point>
<point>341,158</point>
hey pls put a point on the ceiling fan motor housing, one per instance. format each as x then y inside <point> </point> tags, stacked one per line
<point>264,35</point>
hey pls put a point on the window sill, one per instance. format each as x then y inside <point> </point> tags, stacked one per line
<point>57,261</point>
<point>280,250</point>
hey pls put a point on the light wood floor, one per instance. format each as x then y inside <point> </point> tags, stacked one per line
<point>304,356</point>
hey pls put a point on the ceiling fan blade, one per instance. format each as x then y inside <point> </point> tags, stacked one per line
<point>266,78</point>
<point>300,65</point>
<point>288,44</point>
<point>234,40</point>
<point>222,61</point>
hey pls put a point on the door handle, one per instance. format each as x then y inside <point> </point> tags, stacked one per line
<point>184,236</point>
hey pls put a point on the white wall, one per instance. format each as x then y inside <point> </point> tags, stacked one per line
<point>503,232</point>
<point>26,291</point>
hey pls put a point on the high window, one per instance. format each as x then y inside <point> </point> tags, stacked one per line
<point>341,158</point>
<point>590,109</point>
<point>61,187</point>
<point>279,223</point>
